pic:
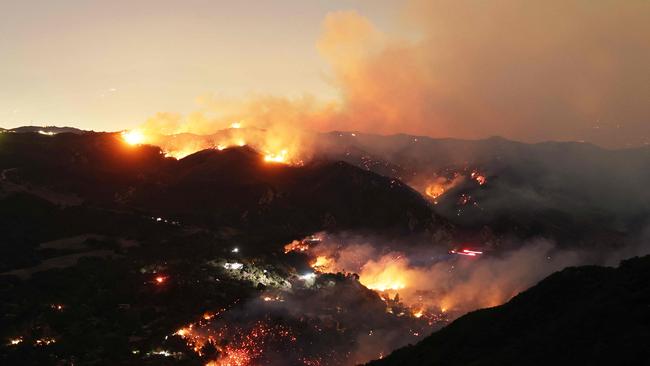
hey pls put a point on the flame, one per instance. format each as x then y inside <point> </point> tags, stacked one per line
<point>179,154</point>
<point>479,178</point>
<point>321,264</point>
<point>242,346</point>
<point>441,185</point>
<point>387,274</point>
<point>296,246</point>
<point>133,137</point>
<point>44,341</point>
<point>236,125</point>
<point>281,157</point>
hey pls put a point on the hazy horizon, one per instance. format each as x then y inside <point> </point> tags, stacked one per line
<point>545,71</point>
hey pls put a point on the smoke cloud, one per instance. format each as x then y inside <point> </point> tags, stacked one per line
<point>531,71</point>
<point>541,70</point>
<point>430,277</point>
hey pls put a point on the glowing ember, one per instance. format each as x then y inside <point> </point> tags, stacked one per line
<point>479,178</point>
<point>160,279</point>
<point>236,346</point>
<point>133,137</point>
<point>296,246</point>
<point>464,199</point>
<point>44,341</point>
<point>183,332</point>
<point>15,341</point>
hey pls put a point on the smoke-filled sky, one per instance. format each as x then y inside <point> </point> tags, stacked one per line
<point>525,70</point>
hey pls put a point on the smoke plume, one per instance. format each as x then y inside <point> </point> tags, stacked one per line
<point>532,71</point>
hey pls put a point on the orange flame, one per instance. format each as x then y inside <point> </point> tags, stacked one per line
<point>321,264</point>
<point>133,137</point>
<point>441,185</point>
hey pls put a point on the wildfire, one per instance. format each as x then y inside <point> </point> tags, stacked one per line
<point>133,137</point>
<point>281,157</point>
<point>236,346</point>
<point>236,125</point>
<point>302,245</point>
<point>441,185</point>
<point>389,285</point>
<point>321,263</point>
<point>296,246</point>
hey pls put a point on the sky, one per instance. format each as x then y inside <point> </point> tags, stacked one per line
<point>526,70</point>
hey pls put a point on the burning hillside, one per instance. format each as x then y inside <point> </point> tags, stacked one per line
<point>322,319</point>
<point>290,149</point>
<point>432,280</point>
<point>355,298</point>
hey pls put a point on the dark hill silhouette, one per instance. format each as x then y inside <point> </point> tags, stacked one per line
<point>575,193</point>
<point>579,316</point>
<point>233,187</point>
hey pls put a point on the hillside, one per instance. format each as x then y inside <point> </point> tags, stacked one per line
<point>582,316</point>
<point>211,188</point>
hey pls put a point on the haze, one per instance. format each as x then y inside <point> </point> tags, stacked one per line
<point>533,71</point>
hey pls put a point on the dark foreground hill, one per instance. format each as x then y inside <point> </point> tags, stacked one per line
<point>579,316</point>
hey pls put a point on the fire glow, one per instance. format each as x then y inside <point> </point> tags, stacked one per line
<point>277,145</point>
<point>280,157</point>
<point>236,346</point>
<point>479,178</point>
<point>133,137</point>
<point>440,186</point>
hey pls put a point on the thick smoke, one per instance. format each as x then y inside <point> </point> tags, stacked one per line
<point>429,276</point>
<point>542,70</point>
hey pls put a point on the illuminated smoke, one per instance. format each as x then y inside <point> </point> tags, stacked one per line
<point>435,278</point>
